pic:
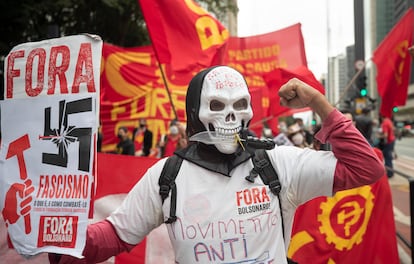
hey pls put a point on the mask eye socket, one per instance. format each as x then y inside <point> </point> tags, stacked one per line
<point>240,104</point>
<point>216,105</point>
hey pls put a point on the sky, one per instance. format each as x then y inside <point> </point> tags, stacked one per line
<point>327,26</point>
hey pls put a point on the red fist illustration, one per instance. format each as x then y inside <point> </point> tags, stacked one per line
<point>12,210</point>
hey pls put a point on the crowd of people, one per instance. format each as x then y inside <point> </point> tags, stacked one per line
<point>380,133</point>
<point>140,141</point>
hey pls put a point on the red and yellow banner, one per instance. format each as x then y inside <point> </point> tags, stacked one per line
<point>133,88</point>
<point>133,85</point>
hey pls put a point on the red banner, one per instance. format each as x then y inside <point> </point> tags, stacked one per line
<point>132,87</point>
<point>394,64</point>
<point>354,226</point>
<point>184,34</point>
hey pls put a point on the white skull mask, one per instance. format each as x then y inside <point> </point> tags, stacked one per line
<point>225,106</point>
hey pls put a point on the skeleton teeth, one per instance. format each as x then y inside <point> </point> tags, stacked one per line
<point>226,132</point>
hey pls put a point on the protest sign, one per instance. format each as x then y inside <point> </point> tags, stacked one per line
<point>49,122</point>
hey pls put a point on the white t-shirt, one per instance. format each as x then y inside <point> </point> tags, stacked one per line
<point>227,219</point>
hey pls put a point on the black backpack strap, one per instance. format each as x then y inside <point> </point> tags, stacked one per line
<point>264,168</point>
<point>167,183</point>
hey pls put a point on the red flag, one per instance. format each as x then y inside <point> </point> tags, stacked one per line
<point>345,228</point>
<point>394,64</point>
<point>276,78</point>
<point>183,34</point>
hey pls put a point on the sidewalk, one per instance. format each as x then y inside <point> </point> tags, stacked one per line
<point>404,165</point>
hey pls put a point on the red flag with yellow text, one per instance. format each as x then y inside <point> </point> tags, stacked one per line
<point>183,34</point>
<point>353,226</point>
<point>132,87</point>
<point>394,64</point>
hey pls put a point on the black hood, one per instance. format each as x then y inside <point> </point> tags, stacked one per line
<point>206,156</point>
<point>192,102</point>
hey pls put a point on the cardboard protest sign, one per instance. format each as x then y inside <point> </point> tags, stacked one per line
<point>49,122</point>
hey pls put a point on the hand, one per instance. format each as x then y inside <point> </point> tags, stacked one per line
<point>13,209</point>
<point>297,94</point>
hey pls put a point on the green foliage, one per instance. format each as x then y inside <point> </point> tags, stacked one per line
<point>118,22</point>
<point>220,8</point>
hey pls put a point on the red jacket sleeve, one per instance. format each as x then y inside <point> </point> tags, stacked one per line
<point>102,242</point>
<point>357,162</point>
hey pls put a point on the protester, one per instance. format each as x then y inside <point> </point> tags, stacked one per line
<point>142,139</point>
<point>222,217</point>
<point>364,124</point>
<point>297,136</point>
<point>174,140</point>
<point>388,138</point>
<point>308,135</point>
<point>125,145</point>
<point>100,138</point>
<point>267,133</point>
<point>282,139</point>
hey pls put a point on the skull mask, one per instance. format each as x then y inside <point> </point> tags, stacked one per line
<point>225,106</point>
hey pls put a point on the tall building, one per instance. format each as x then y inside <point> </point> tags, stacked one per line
<point>341,70</point>
<point>337,79</point>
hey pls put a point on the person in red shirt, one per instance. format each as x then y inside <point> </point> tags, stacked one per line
<point>174,140</point>
<point>388,136</point>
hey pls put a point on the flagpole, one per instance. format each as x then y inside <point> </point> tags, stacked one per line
<point>349,85</point>
<point>162,73</point>
<point>166,85</point>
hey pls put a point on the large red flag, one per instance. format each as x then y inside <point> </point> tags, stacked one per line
<point>354,226</point>
<point>394,64</point>
<point>183,34</point>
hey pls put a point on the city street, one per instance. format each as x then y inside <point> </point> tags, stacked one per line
<point>403,164</point>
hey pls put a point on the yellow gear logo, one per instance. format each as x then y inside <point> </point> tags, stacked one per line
<point>344,217</point>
